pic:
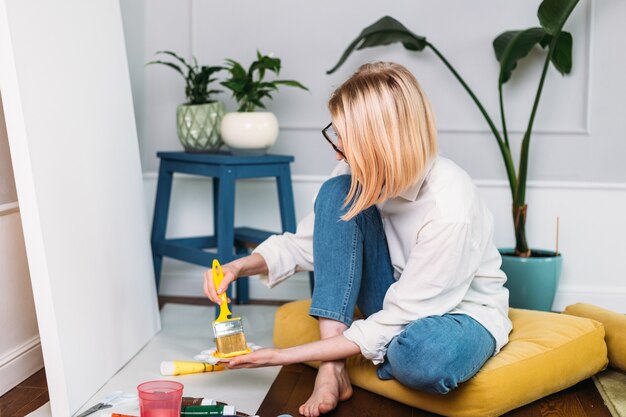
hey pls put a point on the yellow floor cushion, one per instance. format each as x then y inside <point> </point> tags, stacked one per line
<point>547,352</point>
<point>614,326</point>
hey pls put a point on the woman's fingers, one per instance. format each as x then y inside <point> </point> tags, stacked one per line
<point>228,278</point>
<point>256,359</point>
<point>209,287</point>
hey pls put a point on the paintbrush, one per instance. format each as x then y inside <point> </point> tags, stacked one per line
<point>230,339</point>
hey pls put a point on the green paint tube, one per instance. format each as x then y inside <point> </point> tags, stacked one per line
<point>206,410</point>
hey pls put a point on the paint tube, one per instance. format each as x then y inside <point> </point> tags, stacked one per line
<point>171,368</point>
<point>197,401</point>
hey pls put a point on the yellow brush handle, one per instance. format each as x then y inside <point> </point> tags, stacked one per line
<point>218,276</point>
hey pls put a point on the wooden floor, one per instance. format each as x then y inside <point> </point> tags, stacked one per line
<point>295,382</point>
<point>28,396</point>
<point>293,386</point>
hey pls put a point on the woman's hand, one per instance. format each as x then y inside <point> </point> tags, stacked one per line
<point>231,273</point>
<point>257,359</point>
<point>242,267</point>
<point>331,349</point>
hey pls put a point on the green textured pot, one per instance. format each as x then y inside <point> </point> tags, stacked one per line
<point>532,282</point>
<point>198,126</point>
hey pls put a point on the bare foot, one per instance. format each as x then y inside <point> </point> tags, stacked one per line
<point>331,386</point>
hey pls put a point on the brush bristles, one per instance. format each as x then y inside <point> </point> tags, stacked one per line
<point>231,344</point>
<point>230,339</point>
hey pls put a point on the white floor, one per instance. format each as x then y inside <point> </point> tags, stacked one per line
<point>186,332</point>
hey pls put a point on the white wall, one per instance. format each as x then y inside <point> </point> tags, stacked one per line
<point>20,348</point>
<point>578,148</point>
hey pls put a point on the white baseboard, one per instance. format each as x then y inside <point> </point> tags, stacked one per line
<point>611,298</point>
<point>189,284</point>
<point>19,364</point>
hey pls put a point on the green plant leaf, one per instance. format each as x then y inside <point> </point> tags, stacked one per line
<point>181,60</point>
<point>562,56</point>
<point>197,79</point>
<point>511,46</point>
<point>169,64</point>
<point>236,69</point>
<point>249,90</point>
<point>269,85</point>
<point>553,14</point>
<point>291,83</point>
<point>263,63</point>
<point>258,103</point>
<point>385,31</point>
<point>233,85</point>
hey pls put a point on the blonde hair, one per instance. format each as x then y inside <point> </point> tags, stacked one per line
<point>388,132</point>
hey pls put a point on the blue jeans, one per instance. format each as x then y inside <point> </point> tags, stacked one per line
<point>353,268</point>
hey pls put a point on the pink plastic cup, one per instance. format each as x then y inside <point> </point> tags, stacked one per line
<point>160,398</point>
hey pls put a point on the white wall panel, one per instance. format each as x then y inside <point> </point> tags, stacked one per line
<point>579,128</point>
<point>67,100</point>
<point>310,37</point>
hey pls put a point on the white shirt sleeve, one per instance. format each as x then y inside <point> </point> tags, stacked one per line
<point>438,273</point>
<point>288,253</point>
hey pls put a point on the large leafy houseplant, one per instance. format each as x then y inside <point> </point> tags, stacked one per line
<point>198,119</point>
<point>509,48</point>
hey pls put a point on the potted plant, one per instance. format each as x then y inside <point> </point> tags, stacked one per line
<point>197,120</point>
<point>532,274</point>
<point>247,131</point>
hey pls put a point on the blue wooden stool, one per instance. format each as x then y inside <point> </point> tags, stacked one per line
<point>228,242</point>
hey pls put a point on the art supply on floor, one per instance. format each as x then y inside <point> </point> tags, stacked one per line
<point>117,415</point>
<point>197,401</point>
<point>160,398</point>
<point>229,336</point>
<point>172,368</point>
<point>110,400</point>
<point>207,410</point>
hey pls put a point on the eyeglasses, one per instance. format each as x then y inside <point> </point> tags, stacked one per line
<point>331,136</point>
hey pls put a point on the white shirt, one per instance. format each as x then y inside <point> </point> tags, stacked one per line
<point>440,237</point>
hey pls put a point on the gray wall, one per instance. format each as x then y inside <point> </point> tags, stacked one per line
<point>7,184</point>
<point>579,129</point>
<point>577,170</point>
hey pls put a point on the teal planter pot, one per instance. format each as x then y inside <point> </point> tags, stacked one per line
<point>198,126</point>
<point>532,282</point>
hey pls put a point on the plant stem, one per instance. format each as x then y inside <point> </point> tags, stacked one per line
<point>519,220</point>
<point>505,131</point>
<point>520,195</point>
<point>519,199</point>
<point>504,150</point>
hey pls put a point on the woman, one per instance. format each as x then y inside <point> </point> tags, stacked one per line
<point>399,232</point>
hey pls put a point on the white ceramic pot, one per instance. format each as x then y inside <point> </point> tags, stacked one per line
<point>249,133</point>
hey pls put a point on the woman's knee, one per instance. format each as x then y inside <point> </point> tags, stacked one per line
<point>418,368</point>
<point>332,193</point>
